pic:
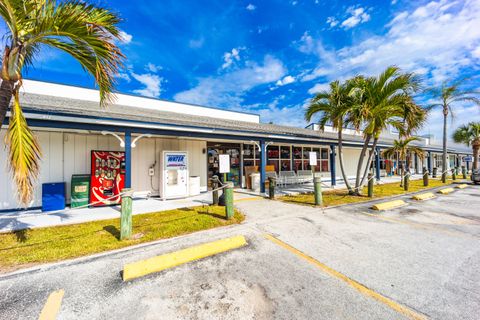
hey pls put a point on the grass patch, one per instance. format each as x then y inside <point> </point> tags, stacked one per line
<point>34,246</point>
<point>337,197</point>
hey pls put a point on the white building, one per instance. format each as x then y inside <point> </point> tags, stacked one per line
<point>69,123</point>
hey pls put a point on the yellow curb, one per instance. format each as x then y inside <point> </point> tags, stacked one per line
<point>411,314</point>
<point>462,186</point>
<point>389,205</point>
<point>52,306</point>
<point>248,199</point>
<point>446,190</point>
<point>173,259</point>
<point>423,196</point>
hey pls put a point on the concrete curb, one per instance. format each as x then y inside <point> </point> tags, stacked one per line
<point>423,196</point>
<point>169,260</point>
<point>445,190</point>
<point>388,205</point>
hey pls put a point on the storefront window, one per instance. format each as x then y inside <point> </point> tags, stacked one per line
<point>285,152</point>
<point>297,152</point>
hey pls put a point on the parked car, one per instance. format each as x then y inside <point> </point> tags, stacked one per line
<point>476,176</point>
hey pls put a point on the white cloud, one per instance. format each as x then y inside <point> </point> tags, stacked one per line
<point>151,67</point>
<point>196,43</point>
<point>152,83</point>
<point>227,89</point>
<point>318,88</point>
<point>357,16</point>
<point>476,52</point>
<point>440,43</point>
<point>286,80</point>
<point>278,113</point>
<point>437,40</point>
<point>332,21</point>
<point>230,57</point>
<point>125,38</point>
<point>123,76</point>
<point>251,7</point>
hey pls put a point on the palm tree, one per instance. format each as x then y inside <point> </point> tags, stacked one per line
<point>333,106</point>
<point>383,101</point>
<point>404,150</point>
<point>448,95</point>
<point>470,135</point>
<point>86,32</point>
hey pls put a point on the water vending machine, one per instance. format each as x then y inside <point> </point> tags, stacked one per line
<point>174,177</point>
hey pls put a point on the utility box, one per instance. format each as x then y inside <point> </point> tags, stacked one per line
<point>80,190</point>
<point>53,196</point>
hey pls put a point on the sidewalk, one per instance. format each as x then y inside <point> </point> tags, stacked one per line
<point>18,220</point>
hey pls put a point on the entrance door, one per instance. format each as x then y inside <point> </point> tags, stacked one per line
<point>233,150</point>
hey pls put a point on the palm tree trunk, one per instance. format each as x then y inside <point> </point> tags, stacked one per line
<point>444,155</point>
<point>476,150</point>
<point>340,159</point>
<point>6,90</point>
<point>360,163</point>
<point>369,163</point>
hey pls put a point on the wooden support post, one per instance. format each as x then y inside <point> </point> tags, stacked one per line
<point>425,177</point>
<point>370,185</point>
<point>406,181</point>
<point>317,182</point>
<point>229,211</point>
<point>126,214</point>
<point>271,188</point>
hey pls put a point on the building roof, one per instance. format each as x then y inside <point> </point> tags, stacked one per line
<point>40,106</point>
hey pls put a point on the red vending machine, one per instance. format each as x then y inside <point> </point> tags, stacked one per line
<point>108,177</point>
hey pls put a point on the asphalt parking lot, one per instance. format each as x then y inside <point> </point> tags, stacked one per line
<point>420,261</point>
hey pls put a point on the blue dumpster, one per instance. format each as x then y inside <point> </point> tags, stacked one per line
<point>53,196</point>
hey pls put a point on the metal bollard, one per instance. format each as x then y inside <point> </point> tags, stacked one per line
<point>271,188</point>
<point>317,187</point>
<point>454,174</point>
<point>126,214</point>
<point>215,193</point>
<point>370,185</point>
<point>406,181</point>
<point>228,192</point>
<point>464,172</point>
<point>425,177</point>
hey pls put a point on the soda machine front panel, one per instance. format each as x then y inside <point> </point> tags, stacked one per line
<point>107,177</point>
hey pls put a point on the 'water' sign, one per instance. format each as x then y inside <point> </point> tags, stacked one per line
<point>175,160</point>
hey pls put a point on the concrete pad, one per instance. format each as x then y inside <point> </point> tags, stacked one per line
<point>446,190</point>
<point>173,259</point>
<point>423,196</point>
<point>389,205</point>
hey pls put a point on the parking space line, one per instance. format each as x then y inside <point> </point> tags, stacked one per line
<point>52,306</point>
<point>356,285</point>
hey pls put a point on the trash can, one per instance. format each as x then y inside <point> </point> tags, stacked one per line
<point>434,173</point>
<point>255,178</point>
<point>53,196</point>
<point>80,190</point>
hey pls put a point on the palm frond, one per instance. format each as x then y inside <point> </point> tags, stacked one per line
<point>23,152</point>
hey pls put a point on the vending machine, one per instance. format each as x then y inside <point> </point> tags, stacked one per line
<point>107,177</point>
<point>174,177</point>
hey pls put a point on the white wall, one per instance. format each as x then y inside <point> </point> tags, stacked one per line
<point>65,154</point>
<point>350,162</point>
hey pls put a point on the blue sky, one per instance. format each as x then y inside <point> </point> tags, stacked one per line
<point>270,57</point>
